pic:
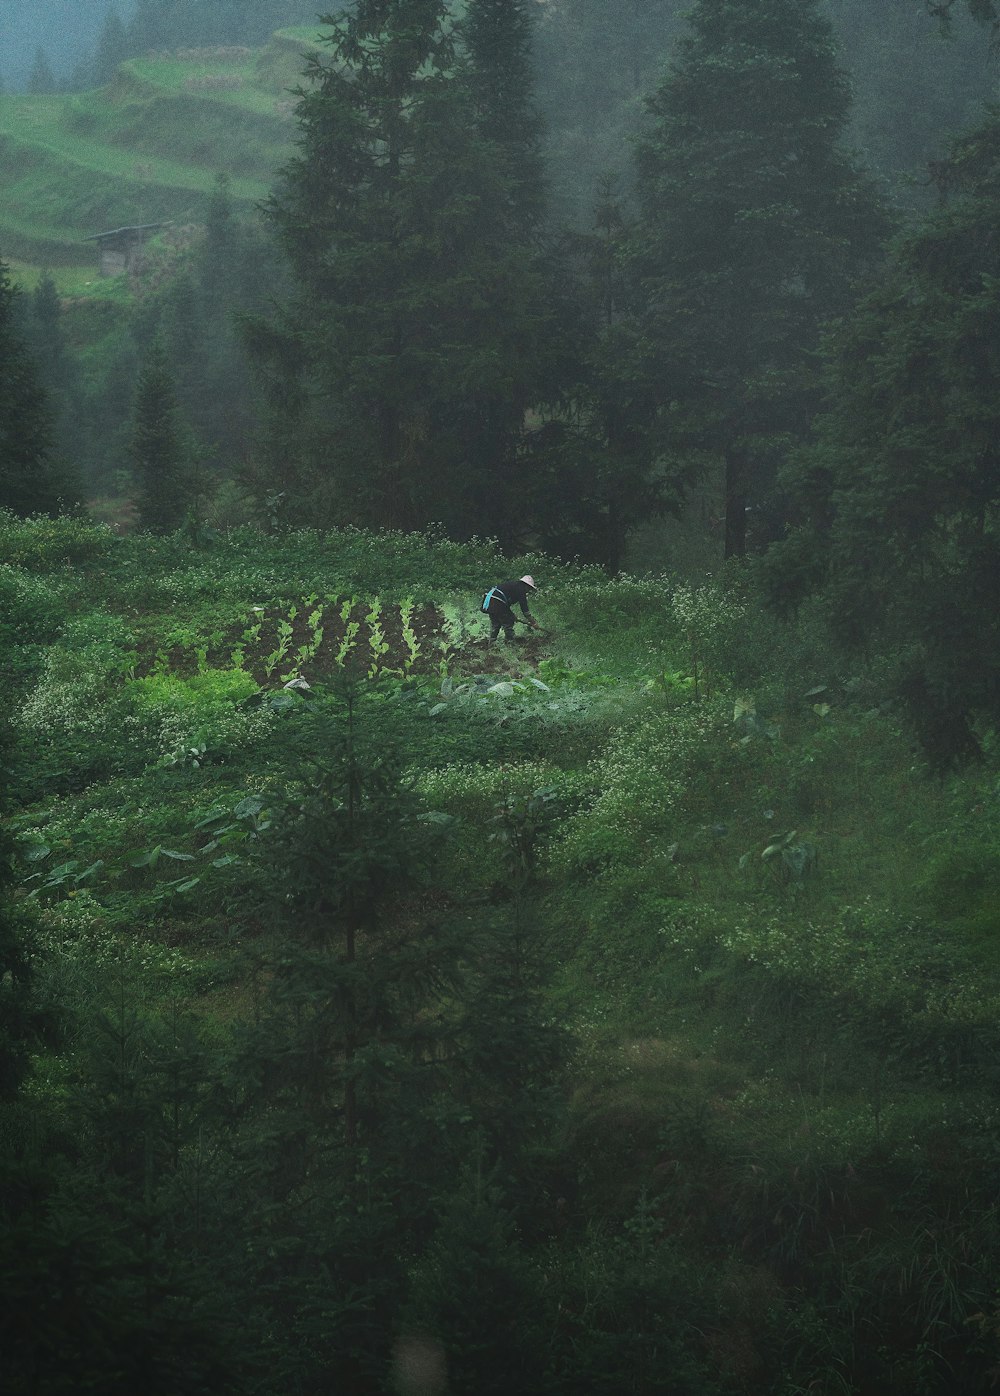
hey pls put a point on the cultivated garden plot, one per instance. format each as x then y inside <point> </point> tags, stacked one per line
<point>318,637</point>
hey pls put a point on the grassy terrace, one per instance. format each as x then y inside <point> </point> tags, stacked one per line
<point>147,148</point>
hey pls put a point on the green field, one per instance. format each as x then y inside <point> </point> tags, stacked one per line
<point>148,148</point>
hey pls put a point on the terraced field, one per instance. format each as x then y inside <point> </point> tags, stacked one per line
<point>147,148</point>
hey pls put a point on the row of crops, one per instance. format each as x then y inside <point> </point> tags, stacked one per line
<point>318,635</point>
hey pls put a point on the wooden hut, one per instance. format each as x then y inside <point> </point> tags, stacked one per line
<point>118,250</point>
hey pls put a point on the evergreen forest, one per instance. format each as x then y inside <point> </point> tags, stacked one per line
<point>604,1006</point>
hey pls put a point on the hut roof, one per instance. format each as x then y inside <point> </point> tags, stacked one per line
<point>117,232</point>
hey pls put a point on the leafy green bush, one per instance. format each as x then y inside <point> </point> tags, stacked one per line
<point>79,929</point>
<point>190,720</point>
<point>31,608</point>
<point>44,544</point>
<point>645,778</point>
<point>962,889</point>
<point>80,670</point>
<point>169,692</point>
<point>472,791</point>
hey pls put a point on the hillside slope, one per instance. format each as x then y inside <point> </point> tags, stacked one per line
<point>688,848</point>
<point>148,148</point>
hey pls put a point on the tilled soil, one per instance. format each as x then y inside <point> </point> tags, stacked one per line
<point>348,642</point>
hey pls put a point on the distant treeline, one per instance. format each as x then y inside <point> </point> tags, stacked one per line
<point>74,44</point>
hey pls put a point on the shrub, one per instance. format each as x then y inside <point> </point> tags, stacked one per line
<point>168,692</point>
<point>31,609</point>
<point>43,544</point>
<point>191,720</point>
<point>644,778</point>
<point>962,889</point>
<point>93,651</point>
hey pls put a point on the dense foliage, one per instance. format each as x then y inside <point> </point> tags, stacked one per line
<point>899,497</point>
<point>28,478</point>
<point>421,329</point>
<point>598,60</point>
<point>614,1010</point>
<point>753,231</point>
<point>584,990</point>
<point>579,480</point>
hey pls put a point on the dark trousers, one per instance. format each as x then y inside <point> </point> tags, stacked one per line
<point>501,618</point>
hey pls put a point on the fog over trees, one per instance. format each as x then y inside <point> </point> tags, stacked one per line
<point>66,30</point>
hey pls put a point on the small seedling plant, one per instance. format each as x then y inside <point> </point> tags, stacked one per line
<point>277,655</point>
<point>410,640</point>
<point>377,644</point>
<point>351,629</point>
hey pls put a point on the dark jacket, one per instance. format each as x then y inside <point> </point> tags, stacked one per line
<point>512,594</point>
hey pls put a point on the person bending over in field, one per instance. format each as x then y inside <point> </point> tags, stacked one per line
<point>499,603</point>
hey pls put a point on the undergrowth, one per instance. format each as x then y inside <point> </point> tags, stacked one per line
<point>772,936</point>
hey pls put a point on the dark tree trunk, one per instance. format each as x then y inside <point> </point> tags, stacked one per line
<point>736,505</point>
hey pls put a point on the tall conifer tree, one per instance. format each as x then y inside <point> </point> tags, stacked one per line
<point>156,446</point>
<point>41,79</point>
<point>753,228</point>
<point>340,1072</point>
<point>346,220</point>
<point>420,322</point>
<point>58,368</point>
<point>112,48</point>
<point>499,35</point>
<point>521,329</point>
<point>28,481</point>
<point>985,11</point>
<point>21,1023</point>
<point>899,499</point>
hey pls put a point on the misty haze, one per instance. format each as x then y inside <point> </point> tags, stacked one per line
<point>500,612</point>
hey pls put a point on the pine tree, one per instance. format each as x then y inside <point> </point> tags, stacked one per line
<point>898,499</point>
<point>499,34</point>
<point>157,447</point>
<point>634,1309</point>
<point>473,1289</point>
<point>218,256</point>
<point>112,49</point>
<point>421,323</point>
<point>598,57</point>
<point>149,27</point>
<point>49,339</point>
<point>593,480</point>
<point>753,229</point>
<point>338,1076</point>
<point>348,985</point>
<point>108,1196</point>
<point>58,370</point>
<point>29,482</point>
<point>342,219</point>
<point>41,78</point>
<point>511,1054</point>
<point>230,272</point>
<point>521,328</point>
<point>23,1024</point>
<point>983,11</point>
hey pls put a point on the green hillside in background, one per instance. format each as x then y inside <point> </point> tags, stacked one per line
<point>148,148</point>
